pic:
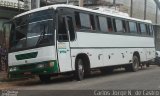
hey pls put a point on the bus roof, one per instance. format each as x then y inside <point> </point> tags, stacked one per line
<point>81,8</point>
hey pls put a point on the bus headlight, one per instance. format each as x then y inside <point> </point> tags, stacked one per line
<point>51,64</point>
<point>13,69</point>
<point>40,66</point>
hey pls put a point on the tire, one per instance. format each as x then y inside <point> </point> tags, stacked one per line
<point>79,72</point>
<point>107,70</point>
<point>45,78</point>
<point>134,66</point>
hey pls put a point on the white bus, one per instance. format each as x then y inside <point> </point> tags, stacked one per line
<point>62,39</point>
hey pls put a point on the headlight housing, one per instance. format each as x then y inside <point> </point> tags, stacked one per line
<point>51,64</point>
<point>40,66</point>
<point>13,69</point>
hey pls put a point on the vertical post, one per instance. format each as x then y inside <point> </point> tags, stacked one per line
<point>18,5</point>
<point>131,9</point>
<point>156,17</point>
<point>46,3</point>
<point>27,4</point>
<point>145,7</point>
<point>81,3</point>
<point>67,1</point>
<point>114,4</point>
<point>35,4</point>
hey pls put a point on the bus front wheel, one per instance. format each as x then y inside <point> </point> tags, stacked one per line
<point>79,72</point>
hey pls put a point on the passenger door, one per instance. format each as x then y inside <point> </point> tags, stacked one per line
<point>63,43</point>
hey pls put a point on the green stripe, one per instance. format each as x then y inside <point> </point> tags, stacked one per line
<point>55,68</point>
<point>26,56</point>
<point>34,70</point>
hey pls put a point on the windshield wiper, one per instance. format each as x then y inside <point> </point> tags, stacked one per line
<point>41,37</point>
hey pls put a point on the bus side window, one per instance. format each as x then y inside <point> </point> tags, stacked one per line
<point>102,23</point>
<point>151,30</point>
<point>77,20</point>
<point>132,27</point>
<point>148,31</point>
<point>71,28</point>
<point>84,21</point>
<point>138,28</point>
<point>127,27</point>
<point>114,25</point>
<point>62,30</point>
<point>93,27</point>
<point>110,27</point>
<point>143,29</point>
<point>124,26</point>
<point>119,25</point>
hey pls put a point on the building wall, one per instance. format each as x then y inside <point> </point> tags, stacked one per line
<point>151,10</point>
<point>8,9</point>
<point>138,9</point>
<point>158,21</point>
<point>124,6</point>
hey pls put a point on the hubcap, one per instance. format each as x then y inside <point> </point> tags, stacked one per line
<point>80,69</point>
<point>135,63</point>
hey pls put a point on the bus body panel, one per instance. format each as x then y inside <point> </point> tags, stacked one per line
<point>64,56</point>
<point>111,49</point>
<point>113,40</point>
<point>102,49</point>
<point>43,54</point>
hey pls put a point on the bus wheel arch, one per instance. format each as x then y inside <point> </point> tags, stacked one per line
<point>83,58</point>
<point>134,66</point>
<point>136,53</point>
<point>136,62</point>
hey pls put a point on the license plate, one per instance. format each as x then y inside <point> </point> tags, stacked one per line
<point>27,73</point>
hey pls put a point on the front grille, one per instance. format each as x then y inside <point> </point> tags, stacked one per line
<point>27,67</point>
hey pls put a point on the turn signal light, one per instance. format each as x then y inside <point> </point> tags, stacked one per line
<point>51,64</point>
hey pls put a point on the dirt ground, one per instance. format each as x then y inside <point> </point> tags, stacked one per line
<point>13,84</point>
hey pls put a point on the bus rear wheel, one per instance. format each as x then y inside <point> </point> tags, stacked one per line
<point>79,72</point>
<point>134,66</point>
<point>45,78</point>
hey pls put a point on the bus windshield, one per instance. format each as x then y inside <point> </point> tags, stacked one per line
<point>32,30</point>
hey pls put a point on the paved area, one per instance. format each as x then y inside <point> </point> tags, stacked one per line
<point>143,79</point>
<point>3,76</point>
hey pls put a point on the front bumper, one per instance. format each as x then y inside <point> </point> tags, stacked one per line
<point>29,70</point>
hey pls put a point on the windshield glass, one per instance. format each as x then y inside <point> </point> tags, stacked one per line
<point>32,30</point>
